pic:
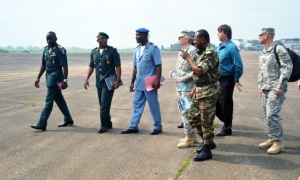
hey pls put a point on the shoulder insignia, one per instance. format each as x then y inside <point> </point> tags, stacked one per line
<point>153,44</point>
<point>62,49</point>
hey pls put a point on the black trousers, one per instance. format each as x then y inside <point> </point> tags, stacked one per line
<point>224,109</point>
<point>105,98</point>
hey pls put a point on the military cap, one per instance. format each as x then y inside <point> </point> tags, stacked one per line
<point>103,34</point>
<point>267,31</point>
<point>186,33</point>
<point>142,30</point>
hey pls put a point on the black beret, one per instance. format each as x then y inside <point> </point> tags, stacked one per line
<point>103,34</point>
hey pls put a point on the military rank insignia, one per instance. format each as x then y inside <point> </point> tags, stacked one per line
<point>108,62</point>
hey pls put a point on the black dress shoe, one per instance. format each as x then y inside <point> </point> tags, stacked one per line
<point>39,127</point>
<point>224,133</point>
<point>180,125</point>
<point>211,144</point>
<point>155,131</point>
<point>66,124</point>
<point>129,131</point>
<point>102,130</point>
<point>205,154</point>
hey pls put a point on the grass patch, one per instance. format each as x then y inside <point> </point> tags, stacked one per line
<point>183,167</point>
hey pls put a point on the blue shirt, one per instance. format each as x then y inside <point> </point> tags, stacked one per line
<point>230,60</point>
<point>145,63</point>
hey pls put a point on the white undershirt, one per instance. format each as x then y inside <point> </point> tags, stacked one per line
<point>101,50</point>
<point>142,49</point>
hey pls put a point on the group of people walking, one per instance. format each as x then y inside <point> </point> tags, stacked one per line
<point>209,75</point>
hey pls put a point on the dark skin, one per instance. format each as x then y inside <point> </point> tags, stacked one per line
<point>142,39</point>
<point>200,43</point>
<point>51,40</point>
<point>102,40</point>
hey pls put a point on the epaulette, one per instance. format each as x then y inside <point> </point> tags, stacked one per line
<point>46,46</point>
<point>62,49</point>
<point>153,44</point>
<point>137,46</point>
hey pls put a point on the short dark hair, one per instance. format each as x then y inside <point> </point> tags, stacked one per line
<point>226,29</point>
<point>203,33</point>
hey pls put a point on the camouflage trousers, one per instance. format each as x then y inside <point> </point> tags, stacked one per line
<point>272,105</point>
<point>201,116</point>
<point>188,130</point>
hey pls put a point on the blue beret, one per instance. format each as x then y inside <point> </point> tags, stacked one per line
<point>142,30</point>
<point>103,34</point>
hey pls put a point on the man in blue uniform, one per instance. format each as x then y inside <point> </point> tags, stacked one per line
<point>55,63</point>
<point>146,62</point>
<point>106,60</point>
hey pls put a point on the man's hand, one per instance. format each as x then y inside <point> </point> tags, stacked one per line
<point>278,91</point>
<point>185,55</point>
<point>239,86</point>
<point>36,83</point>
<point>260,93</point>
<point>64,85</point>
<point>115,85</point>
<point>156,85</point>
<point>192,93</point>
<point>86,84</point>
<point>179,79</point>
<point>131,88</point>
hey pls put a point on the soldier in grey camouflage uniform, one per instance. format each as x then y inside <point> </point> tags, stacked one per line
<point>272,85</point>
<point>205,94</point>
<point>185,74</point>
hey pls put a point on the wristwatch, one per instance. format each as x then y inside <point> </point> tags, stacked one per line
<point>65,80</point>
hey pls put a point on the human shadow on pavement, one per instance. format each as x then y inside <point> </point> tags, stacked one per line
<point>269,162</point>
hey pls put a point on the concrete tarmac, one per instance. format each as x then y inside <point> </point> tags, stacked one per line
<point>79,152</point>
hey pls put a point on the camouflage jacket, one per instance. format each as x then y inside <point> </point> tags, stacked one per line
<point>184,70</point>
<point>207,85</point>
<point>272,74</point>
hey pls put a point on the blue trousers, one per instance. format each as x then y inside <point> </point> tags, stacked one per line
<point>139,101</point>
<point>54,94</point>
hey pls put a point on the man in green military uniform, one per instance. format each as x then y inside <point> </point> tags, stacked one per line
<point>205,94</point>
<point>55,63</point>
<point>106,60</point>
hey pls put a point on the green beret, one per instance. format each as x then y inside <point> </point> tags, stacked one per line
<point>103,34</point>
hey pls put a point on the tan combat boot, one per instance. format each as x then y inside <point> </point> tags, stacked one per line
<point>188,141</point>
<point>276,147</point>
<point>181,140</point>
<point>267,144</point>
<point>194,137</point>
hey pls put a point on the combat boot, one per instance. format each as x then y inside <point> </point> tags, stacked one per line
<point>205,153</point>
<point>192,136</point>
<point>267,144</point>
<point>188,141</point>
<point>211,144</point>
<point>276,147</point>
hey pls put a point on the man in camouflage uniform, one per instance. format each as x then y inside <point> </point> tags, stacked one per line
<point>205,94</point>
<point>272,84</point>
<point>185,74</point>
